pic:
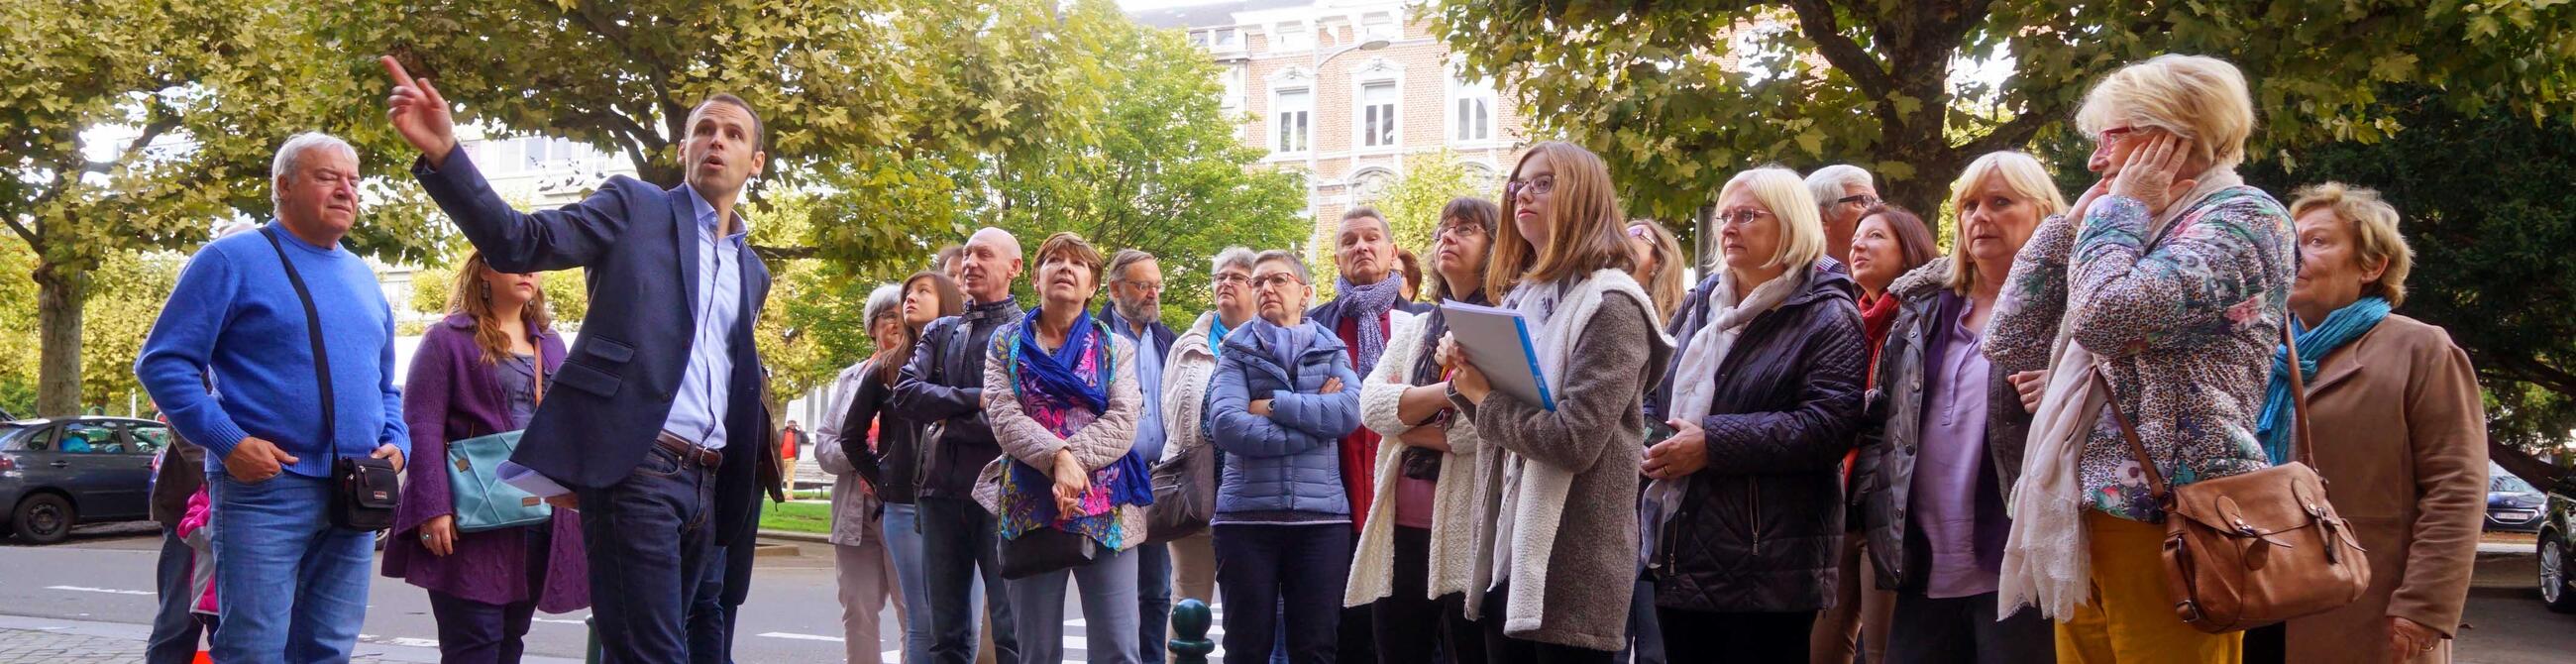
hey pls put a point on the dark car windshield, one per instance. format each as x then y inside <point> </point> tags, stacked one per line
<point>2509,484</point>
<point>10,432</point>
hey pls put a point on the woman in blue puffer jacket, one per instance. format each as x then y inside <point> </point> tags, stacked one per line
<point>1283,395</point>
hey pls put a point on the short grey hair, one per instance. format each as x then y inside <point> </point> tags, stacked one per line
<point>1119,263</point>
<point>290,157</point>
<point>1294,264</point>
<point>1827,183</point>
<point>882,301</point>
<point>1241,257</point>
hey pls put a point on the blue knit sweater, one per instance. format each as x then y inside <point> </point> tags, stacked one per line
<point>235,316</point>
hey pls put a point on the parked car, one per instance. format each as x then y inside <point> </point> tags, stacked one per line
<point>63,472</point>
<point>2513,505</point>
<point>2557,543</point>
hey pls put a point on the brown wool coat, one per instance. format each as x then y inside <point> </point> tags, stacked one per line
<point>2401,439</point>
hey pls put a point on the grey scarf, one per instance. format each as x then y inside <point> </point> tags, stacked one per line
<point>1364,306</point>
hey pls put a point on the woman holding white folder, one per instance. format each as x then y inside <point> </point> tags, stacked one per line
<point>1744,516</point>
<point>1551,576</point>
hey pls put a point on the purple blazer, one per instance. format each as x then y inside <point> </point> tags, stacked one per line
<point>452,395</point>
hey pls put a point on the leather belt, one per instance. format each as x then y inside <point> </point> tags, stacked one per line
<point>688,451</point>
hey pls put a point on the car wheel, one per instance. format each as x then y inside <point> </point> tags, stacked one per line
<point>2553,574</point>
<point>43,519</point>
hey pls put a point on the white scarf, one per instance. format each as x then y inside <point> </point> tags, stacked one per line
<point>2048,560</point>
<point>1694,387</point>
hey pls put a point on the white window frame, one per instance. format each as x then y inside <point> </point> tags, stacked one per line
<point>1281,32</point>
<point>1394,29</point>
<point>1376,71</point>
<point>1461,90</point>
<point>1277,137</point>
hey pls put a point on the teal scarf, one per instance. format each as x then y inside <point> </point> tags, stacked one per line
<point>2340,327</point>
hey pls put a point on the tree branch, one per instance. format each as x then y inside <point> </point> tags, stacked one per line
<point>1816,21</point>
<point>2011,134</point>
<point>769,253</point>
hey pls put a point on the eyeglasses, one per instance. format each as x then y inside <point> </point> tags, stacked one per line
<point>1232,279</point>
<point>1865,200</point>
<point>1638,231</point>
<point>1280,280</point>
<point>1742,216</point>
<point>1538,186</point>
<point>1459,229</point>
<point>1149,287</point>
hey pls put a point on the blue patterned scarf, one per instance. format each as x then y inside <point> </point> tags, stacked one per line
<point>2339,328</point>
<point>1054,371</point>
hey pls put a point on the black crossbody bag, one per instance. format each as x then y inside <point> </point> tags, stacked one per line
<point>364,489</point>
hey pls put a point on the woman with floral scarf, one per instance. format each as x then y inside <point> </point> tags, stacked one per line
<point>1061,393</point>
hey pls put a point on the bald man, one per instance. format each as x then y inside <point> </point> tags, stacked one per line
<point>945,384</point>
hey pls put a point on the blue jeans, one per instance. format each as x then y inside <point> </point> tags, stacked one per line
<point>471,632</point>
<point>710,621</point>
<point>293,587</point>
<point>649,546</point>
<point>1268,568</point>
<point>174,632</point>
<point>903,541</point>
<point>957,545</point>
<point>1153,601</point>
<point>1109,624</point>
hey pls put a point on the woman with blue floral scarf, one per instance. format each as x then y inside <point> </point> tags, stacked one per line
<point>1061,393</point>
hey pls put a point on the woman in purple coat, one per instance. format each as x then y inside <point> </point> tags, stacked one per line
<point>475,374</point>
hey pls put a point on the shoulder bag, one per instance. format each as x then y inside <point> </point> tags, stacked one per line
<point>2249,550</point>
<point>482,501</point>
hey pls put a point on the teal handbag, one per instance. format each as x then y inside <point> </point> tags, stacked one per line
<point>483,501</point>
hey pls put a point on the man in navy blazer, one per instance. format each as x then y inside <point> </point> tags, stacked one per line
<point>656,418</point>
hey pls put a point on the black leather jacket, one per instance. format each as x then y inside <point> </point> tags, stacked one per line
<point>944,385</point>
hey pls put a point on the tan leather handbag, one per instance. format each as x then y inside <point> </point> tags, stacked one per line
<point>2250,550</point>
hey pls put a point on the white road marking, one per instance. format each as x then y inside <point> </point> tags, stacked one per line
<point>801,637</point>
<point>555,621</point>
<point>111,591</point>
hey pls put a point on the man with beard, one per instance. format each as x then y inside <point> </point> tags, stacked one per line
<point>1135,311</point>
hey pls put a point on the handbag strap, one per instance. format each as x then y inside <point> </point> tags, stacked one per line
<point>2156,476</point>
<point>313,329</point>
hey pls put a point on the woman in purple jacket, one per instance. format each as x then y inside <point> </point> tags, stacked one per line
<point>475,374</point>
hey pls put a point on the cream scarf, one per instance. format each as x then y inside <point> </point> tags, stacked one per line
<point>1693,385</point>
<point>2047,556</point>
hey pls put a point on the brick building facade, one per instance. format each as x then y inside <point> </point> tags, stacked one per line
<point>1347,91</point>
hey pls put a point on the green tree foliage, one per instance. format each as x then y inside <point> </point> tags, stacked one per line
<point>132,126</point>
<point>1677,96</point>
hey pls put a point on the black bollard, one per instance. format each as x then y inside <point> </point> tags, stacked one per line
<point>1189,633</point>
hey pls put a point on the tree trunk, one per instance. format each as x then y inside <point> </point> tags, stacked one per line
<point>59,297</point>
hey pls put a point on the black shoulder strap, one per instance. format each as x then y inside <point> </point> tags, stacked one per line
<point>312,328</point>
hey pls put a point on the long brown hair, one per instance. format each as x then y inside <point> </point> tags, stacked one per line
<point>1586,230</point>
<point>952,301</point>
<point>472,298</point>
<point>1665,285</point>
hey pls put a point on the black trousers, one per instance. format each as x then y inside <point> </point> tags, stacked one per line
<point>174,632</point>
<point>1963,630</point>
<point>1259,566</point>
<point>1748,637</point>
<point>1412,628</point>
<point>1501,649</point>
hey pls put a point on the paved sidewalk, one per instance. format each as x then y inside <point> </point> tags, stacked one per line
<point>28,640</point>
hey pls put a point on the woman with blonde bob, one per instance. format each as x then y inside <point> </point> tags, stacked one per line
<point>2394,408</point>
<point>1936,470</point>
<point>1744,518</point>
<point>1557,478</point>
<point>2173,278</point>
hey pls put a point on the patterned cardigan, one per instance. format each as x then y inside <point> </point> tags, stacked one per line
<point>2184,322</point>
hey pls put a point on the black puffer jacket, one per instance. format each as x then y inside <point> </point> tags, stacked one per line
<point>1884,472</point>
<point>943,387</point>
<point>1761,526</point>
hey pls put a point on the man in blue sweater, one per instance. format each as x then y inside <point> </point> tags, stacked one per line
<point>294,587</point>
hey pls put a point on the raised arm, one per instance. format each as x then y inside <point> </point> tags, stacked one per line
<point>2033,301</point>
<point>2204,280</point>
<point>511,241</point>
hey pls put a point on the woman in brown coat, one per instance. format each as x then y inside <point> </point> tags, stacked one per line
<point>2400,435</point>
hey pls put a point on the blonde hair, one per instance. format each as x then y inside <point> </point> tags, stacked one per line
<point>1802,232</point>
<point>1586,229</point>
<point>2028,180</point>
<point>472,298</point>
<point>1665,285</point>
<point>2199,98</point>
<point>2374,231</point>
